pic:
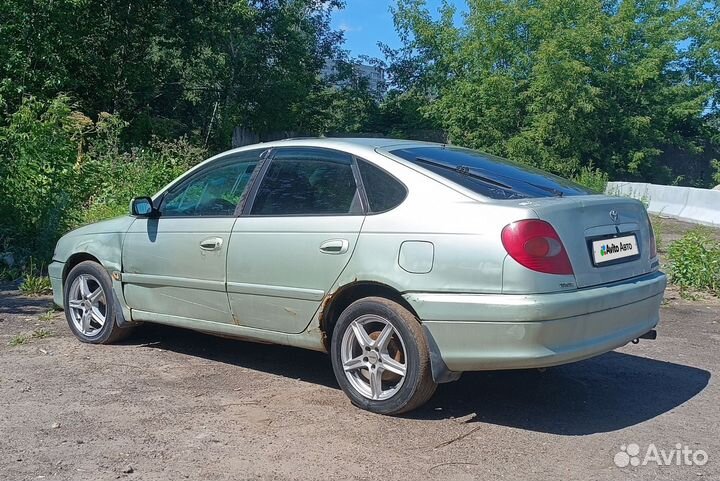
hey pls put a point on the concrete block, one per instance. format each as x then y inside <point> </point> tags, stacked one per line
<point>703,207</point>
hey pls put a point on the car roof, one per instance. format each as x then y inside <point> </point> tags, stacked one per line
<point>340,143</point>
<point>345,144</point>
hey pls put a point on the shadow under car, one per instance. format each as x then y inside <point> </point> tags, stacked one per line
<point>606,393</point>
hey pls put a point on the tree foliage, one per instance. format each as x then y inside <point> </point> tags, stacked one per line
<point>60,169</point>
<point>42,172</point>
<point>101,100</point>
<point>169,67</point>
<point>565,83</point>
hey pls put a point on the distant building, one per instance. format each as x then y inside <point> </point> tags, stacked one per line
<point>375,76</point>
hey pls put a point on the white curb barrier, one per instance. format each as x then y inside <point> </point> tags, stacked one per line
<point>701,206</point>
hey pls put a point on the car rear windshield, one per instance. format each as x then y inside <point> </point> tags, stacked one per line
<point>488,175</point>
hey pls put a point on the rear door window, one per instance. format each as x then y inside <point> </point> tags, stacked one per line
<point>488,175</point>
<point>308,181</point>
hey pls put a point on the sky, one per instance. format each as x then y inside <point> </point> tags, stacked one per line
<point>367,22</point>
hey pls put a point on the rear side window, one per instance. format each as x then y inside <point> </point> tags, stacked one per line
<point>307,181</point>
<point>488,175</point>
<point>382,190</point>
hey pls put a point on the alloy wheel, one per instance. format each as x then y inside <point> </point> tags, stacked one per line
<point>87,303</point>
<point>373,357</point>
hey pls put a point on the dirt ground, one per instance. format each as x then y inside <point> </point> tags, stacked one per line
<point>173,404</point>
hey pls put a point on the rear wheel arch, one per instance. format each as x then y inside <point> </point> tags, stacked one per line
<point>349,293</point>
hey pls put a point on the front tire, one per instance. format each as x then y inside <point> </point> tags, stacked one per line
<point>90,305</point>
<point>380,357</point>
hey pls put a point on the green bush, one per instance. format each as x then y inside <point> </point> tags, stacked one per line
<point>695,261</point>
<point>59,170</point>
<point>119,176</point>
<point>8,274</point>
<point>43,174</point>
<point>594,179</point>
<point>716,171</point>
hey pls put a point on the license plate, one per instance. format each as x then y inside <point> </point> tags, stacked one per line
<point>612,249</point>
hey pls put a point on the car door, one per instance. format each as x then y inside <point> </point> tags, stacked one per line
<point>174,263</point>
<point>296,235</point>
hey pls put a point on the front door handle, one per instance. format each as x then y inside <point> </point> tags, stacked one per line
<point>335,246</point>
<point>211,244</point>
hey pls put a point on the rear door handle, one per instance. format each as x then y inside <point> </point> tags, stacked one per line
<point>335,246</point>
<point>211,244</point>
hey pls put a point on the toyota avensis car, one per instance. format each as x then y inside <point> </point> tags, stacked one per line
<point>408,262</point>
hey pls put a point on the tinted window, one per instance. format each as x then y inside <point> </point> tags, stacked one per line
<point>489,175</point>
<point>215,191</point>
<point>308,181</point>
<point>382,190</point>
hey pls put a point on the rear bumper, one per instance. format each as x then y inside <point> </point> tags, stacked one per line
<point>505,331</point>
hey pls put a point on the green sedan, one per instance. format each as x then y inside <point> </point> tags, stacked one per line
<point>408,262</point>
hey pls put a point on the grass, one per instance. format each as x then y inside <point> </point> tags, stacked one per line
<point>9,274</point>
<point>35,285</point>
<point>659,230</point>
<point>47,316</point>
<point>19,340</point>
<point>694,263</point>
<point>39,333</point>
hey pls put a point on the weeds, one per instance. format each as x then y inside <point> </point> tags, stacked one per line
<point>9,274</point>
<point>47,316</point>
<point>34,283</point>
<point>19,340</point>
<point>595,179</point>
<point>695,262</point>
<point>39,333</point>
<point>658,227</point>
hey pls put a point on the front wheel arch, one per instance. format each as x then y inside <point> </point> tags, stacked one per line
<point>76,259</point>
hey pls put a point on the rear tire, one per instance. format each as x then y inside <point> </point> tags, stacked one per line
<point>90,305</point>
<point>380,357</point>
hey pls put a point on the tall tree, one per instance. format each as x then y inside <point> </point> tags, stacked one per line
<point>169,66</point>
<point>565,83</point>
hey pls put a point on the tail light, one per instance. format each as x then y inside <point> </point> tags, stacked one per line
<point>534,244</point>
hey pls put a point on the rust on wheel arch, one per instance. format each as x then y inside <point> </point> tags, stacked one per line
<point>344,295</point>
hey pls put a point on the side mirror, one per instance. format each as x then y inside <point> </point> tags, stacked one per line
<point>142,207</point>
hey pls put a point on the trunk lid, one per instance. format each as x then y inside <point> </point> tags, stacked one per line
<point>580,220</point>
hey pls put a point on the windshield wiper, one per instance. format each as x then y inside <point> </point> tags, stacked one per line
<point>465,171</point>
<point>553,191</point>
